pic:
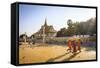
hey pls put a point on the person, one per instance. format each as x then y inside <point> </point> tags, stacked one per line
<point>69,45</point>
<point>79,44</point>
<point>74,46</point>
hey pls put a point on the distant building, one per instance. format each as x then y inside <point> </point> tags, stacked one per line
<point>46,30</point>
<point>23,38</point>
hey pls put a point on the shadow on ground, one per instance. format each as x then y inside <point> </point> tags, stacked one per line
<point>52,59</point>
<point>70,57</point>
<point>66,59</point>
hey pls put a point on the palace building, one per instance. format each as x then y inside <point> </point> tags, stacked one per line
<point>46,30</point>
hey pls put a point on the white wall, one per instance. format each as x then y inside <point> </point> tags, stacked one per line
<point>5,33</point>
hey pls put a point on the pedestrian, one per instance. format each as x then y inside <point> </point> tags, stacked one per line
<point>69,45</point>
<point>74,46</point>
<point>79,44</point>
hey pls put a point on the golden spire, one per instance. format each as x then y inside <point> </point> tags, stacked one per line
<point>45,22</point>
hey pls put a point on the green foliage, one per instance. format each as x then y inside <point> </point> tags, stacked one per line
<point>78,28</point>
<point>62,32</point>
<point>64,40</point>
<point>93,39</point>
<point>57,40</point>
<point>71,28</point>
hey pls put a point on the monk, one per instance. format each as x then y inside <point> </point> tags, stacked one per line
<point>79,43</point>
<point>74,46</point>
<point>69,45</point>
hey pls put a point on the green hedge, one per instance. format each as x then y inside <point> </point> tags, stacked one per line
<point>65,40</point>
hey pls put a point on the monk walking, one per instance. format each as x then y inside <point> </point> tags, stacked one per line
<point>79,43</point>
<point>69,45</point>
<point>74,46</point>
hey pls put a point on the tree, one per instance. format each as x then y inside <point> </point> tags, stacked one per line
<point>71,28</point>
<point>62,32</point>
<point>69,23</point>
<point>92,26</point>
<point>76,28</point>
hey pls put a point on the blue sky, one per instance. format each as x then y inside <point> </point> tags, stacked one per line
<point>32,17</point>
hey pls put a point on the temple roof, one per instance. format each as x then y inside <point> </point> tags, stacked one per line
<point>48,28</point>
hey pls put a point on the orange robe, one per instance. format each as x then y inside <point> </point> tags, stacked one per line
<point>74,46</point>
<point>79,43</point>
<point>69,45</point>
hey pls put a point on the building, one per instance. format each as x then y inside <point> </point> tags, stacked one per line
<point>46,30</point>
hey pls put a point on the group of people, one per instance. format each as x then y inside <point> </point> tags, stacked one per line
<point>74,46</point>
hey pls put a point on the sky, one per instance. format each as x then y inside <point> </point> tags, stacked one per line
<point>32,17</point>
